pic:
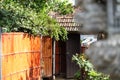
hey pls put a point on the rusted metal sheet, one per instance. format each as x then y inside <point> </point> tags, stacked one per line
<point>20,57</point>
<point>47,56</point>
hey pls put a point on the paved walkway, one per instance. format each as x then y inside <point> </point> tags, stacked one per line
<point>59,78</point>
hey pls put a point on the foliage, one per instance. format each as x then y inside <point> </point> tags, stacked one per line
<point>31,16</point>
<point>87,69</point>
<point>62,7</point>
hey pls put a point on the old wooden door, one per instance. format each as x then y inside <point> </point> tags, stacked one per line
<point>72,47</point>
<point>61,58</point>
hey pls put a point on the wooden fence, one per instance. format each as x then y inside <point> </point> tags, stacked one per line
<point>47,56</point>
<point>21,57</point>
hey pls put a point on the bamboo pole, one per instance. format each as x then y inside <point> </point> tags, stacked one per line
<point>0,53</point>
<point>53,58</point>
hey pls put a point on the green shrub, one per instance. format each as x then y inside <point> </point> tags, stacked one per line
<point>32,16</point>
<point>87,71</point>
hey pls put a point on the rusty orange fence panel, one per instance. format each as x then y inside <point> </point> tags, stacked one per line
<point>21,57</point>
<point>47,56</point>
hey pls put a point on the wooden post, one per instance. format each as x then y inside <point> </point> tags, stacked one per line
<point>53,58</point>
<point>0,53</point>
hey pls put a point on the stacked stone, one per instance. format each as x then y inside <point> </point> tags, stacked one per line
<point>118,6</point>
<point>116,28</point>
<point>93,17</point>
<point>105,55</point>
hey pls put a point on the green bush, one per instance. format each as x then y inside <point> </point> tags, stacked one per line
<point>87,71</point>
<point>32,16</point>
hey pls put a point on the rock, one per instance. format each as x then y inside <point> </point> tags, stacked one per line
<point>93,17</point>
<point>105,56</point>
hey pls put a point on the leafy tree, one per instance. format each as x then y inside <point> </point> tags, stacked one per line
<point>31,16</point>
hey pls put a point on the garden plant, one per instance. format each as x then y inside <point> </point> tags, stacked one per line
<point>87,70</point>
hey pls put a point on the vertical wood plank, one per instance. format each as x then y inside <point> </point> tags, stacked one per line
<point>47,56</point>
<point>20,57</point>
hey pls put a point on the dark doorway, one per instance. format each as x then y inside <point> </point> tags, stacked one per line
<point>61,58</point>
<point>64,52</point>
<point>72,47</point>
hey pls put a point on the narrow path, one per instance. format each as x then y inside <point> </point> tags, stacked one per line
<point>59,78</point>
